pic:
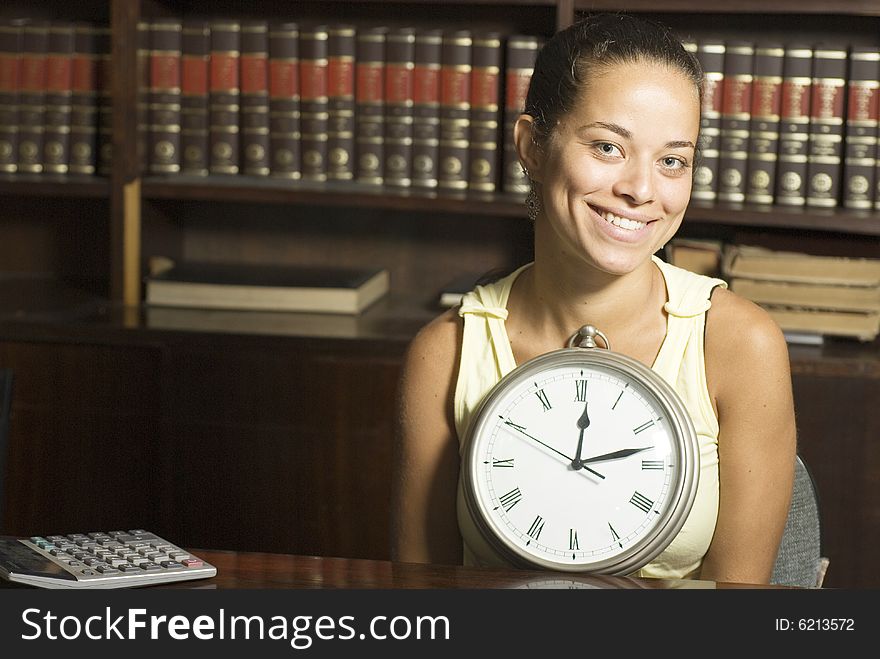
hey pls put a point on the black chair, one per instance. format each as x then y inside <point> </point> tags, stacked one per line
<point>800,561</point>
<point>5,413</point>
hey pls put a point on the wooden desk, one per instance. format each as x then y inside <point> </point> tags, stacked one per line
<point>236,570</point>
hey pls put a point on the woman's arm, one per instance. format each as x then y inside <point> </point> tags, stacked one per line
<point>747,367</point>
<point>426,454</point>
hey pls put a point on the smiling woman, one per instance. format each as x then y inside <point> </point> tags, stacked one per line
<point>607,140</point>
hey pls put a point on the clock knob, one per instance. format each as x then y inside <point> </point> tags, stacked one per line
<point>585,337</point>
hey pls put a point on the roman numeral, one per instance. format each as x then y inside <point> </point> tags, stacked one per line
<point>510,499</point>
<point>542,396</point>
<point>650,464</point>
<point>614,535</point>
<point>573,539</point>
<point>580,391</point>
<point>508,462</point>
<point>647,424</point>
<point>641,502</point>
<point>620,395</point>
<point>536,527</point>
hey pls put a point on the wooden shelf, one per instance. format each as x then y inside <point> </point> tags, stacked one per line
<point>760,7</point>
<point>836,220</point>
<point>54,186</point>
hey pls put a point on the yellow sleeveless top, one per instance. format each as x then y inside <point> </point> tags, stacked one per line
<point>486,356</point>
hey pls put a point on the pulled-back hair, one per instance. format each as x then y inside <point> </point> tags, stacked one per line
<point>568,61</point>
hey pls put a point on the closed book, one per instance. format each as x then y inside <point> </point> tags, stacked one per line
<point>860,145</point>
<point>142,102</point>
<point>259,323</point>
<point>224,98</point>
<point>11,32</point>
<point>84,101</point>
<point>426,108</point>
<point>164,97</point>
<point>794,126</point>
<point>255,98</point>
<point>484,134</point>
<point>319,289</point>
<point>194,73</point>
<point>521,51</point>
<point>763,264</point>
<point>711,57</point>
<point>370,106</point>
<point>736,115</point>
<point>702,256</point>
<point>399,98</point>
<point>59,93</point>
<point>807,295</point>
<point>284,101</point>
<point>32,97</point>
<point>313,65</point>
<point>825,152</point>
<point>455,108</point>
<point>864,326</point>
<point>104,86</point>
<point>764,123</point>
<point>341,48</point>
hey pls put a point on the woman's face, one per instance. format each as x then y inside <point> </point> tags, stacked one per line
<point>616,172</point>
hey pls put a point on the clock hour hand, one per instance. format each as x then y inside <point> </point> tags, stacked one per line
<point>614,455</point>
<point>583,423</point>
<point>520,430</point>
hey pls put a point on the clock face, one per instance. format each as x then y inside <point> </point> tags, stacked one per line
<point>581,460</point>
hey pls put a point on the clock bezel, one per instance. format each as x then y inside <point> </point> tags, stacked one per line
<point>682,491</point>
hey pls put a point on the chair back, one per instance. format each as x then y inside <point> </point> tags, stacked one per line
<point>799,561</point>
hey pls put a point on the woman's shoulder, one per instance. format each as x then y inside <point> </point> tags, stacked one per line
<point>436,342</point>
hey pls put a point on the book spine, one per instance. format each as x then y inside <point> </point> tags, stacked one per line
<point>105,101</point>
<point>59,89</point>
<point>284,101</point>
<point>455,106</point>
<point>520,63</point>
<point>10,80</point>
<point>370,103</point>
<point>399,100</point>
<point>711,57</point>
<point>735,117</point>
<point>341,51</point>
<point>84,101</point>
<point>485,120</point>
<point>426,108</point>
<point>255,98</point>
<point>195,56</point>
<point>794,126</point>
<point>825,155</point>
<point>163,155</point>
<point>142,107</point>
<point>313,65</point>
<point>224,97</point>
<point>764,123</point>
<point>860,145</point>
<point>32,99</point>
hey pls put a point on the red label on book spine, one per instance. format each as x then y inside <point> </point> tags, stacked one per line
<point>766,98</point>
<point>398,83</point>
<point>283,79</point>
<point>737,96</point>
<point>712,96</point>
<point>340,77</point>
<point>84,74</point>
<point>517,89</point>
<point>194,76</point>
<point>484,88</point>
<point>224,72</point>
<point>164,72</point>
<point>33,74</point>
<point>254,78</point>
<point>369,82</point>
<point>314,80</point>
<point>828,99</point>
<point>58,73</point>
<point>426,85</point>
<point>454,87</point>
<point>795,99</point>
<point>863,105</point>
<point>9,70</point>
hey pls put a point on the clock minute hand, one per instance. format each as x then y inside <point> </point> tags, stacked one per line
<point>568,459</point>
<point>623,453</point>
<point>583,423</point>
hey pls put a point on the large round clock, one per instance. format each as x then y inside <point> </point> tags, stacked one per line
<point>581,459</point>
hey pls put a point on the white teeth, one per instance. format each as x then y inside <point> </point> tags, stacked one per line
<point>622,222</point>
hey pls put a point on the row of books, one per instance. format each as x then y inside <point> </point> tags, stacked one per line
<point>809,296</point>
<point>789,124</point>
<point>55,98</point>
<point>377,105</point>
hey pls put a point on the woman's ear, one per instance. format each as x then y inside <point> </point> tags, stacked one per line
<point>524,138</point>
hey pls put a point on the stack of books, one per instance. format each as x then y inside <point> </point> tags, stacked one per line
<point>807,294</point>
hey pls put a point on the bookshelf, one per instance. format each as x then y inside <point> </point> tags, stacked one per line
<point>94,235</point>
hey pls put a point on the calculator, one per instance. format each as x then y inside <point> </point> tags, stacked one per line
<point>115,559</point>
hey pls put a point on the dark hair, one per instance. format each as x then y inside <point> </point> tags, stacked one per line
<point>567,61</point>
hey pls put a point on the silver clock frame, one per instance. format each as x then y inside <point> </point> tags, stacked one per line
<point>683,489</point>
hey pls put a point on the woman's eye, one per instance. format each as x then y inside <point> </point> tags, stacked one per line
<point>674,163</point>
<point>607,149</point>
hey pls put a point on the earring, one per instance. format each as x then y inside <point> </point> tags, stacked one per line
<point>533,204</point>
